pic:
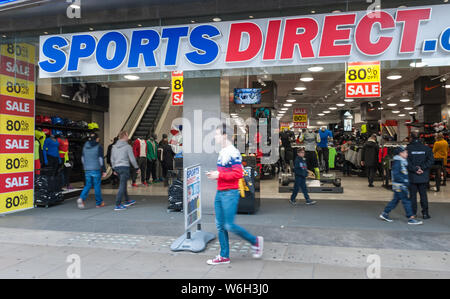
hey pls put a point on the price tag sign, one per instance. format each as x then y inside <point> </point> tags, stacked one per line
<point>177,88</point>
<point>21,51</point>
<point>10,202</point>
<point>16,163</point>
<point>16,125</point>
<point>300,118</point>
<point>363,80</point>
<point>284,125</point>
<point>15,87</point>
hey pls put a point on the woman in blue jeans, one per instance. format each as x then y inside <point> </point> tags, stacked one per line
<point>94,170</point>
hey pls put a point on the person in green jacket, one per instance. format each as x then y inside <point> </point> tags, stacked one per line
<point>152,150</point>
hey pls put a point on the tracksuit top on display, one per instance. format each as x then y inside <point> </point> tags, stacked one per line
<point>310,140</point>
<point>399,172</point>
<point>152,150</point>
<point>37,148</point>
<point>324,138</point>
<point>229,165</point>
<point>300,167</point>
<point>92,157</point>
<point>41,137</point>
<point>51,148</point>
<point>140,148</point>
<point>64,149</point>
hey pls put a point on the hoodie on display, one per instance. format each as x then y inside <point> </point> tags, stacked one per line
<point>51,148</point>
<point>310,139</point>
<point>324,135</point>
<point>122,155</point>
<point>92,157</point>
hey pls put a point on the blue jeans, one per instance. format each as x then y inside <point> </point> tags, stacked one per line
<point>400,194</point>
<point>226,204</point>
<point>300,183</point>
<point>93,179</point>
<point>124,176</point>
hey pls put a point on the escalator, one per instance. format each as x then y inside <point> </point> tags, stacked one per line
<point>151,116</point>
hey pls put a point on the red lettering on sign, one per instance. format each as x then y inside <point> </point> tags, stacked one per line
<point>331,34</point>
<point>411,20</point>
<point>234,52</point>
<point>303,40</point>
<point>273,33</point>
<point>364,30</point>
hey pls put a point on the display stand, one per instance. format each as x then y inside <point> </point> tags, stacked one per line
<point>192,206</point>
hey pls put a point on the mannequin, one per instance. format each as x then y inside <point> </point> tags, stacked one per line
<point>325,137</point>
<point>152,153</point>
<point>51,154</point>
<point>310,139</point>
<point>64,155</point>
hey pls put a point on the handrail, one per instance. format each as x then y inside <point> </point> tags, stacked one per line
<point>138,112</point>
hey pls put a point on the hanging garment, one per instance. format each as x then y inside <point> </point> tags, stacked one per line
<point>331,157</point>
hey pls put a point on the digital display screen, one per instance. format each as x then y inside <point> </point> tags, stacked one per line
<point>347,125</point>
<point>247,96</point>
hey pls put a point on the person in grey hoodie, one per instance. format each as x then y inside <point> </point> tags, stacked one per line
<point>121,158</point>
<point>94,170</point>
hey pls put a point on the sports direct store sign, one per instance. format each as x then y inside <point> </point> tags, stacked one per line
<point>393,34</point>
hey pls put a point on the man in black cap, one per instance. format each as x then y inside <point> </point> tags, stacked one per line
<point>420,160</point>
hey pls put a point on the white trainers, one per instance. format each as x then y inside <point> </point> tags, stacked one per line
<point>80,203</point>
<point>218,261</point>
<point>258,249</point>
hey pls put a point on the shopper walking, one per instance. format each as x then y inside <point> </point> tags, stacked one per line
<point>440,151</point>
<point>420,160</point>
<point>152,150</point>
<point>347,165</point>
<point>229,172</point>
<point>94,170</point>
<point>140,153</point>
<point>121,158</point>
<point>114,177</point>
<point>369,158</point>
<point>301,172</point>
<point>400,184</point>
<point>167,159</point>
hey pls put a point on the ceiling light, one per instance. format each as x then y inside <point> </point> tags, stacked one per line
<point>336,11</point>
<point>287,105</point>
<point>313,11</point>
<point>394,76</point>
<point>284,109</point>
<point>315,68</point>
<point>417,64</point>
<point>401,115</point>
<point>300,87</point>
<point>405,100</point>
<point>409,108</point>
<point>332,108</point>
<point>251,17</point>
<point>380,108</point>
<point>164,87</point>
<point>340,105</point>
<point>392,104</point>
<point>396,111</point>
<point>326,111</point>
<point>291,100</point>
<point>91,29</point>
<point>320,114</point>
<point>131,77</point>
<point>139,25</point>
<point>412,112</point>
<point>306,78</point>
<point>348,100</point>
<point>447,85</point>
<point>217,19</point>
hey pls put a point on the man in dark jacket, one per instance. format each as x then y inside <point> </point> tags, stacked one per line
<point>420,160</point>
<point>94,170</point>
<point>369,158</point>
<point>301,172</point>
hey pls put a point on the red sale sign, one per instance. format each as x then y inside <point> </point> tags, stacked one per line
<point>177,88</point>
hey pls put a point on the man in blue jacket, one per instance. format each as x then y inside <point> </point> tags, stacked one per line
<point>94,170</point>
<point>301,172</point>
<point>400,184</point>
<point>420,160</point>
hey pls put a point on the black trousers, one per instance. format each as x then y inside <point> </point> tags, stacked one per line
<point>422,188</point>
<point>371,171</point>
<point>53,164</point>
<point>151,169</point>
<point>324,157</point>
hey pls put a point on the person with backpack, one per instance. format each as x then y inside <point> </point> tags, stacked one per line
<point>400,185</point>
<point>122,158</point>
<point>94,170</point>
